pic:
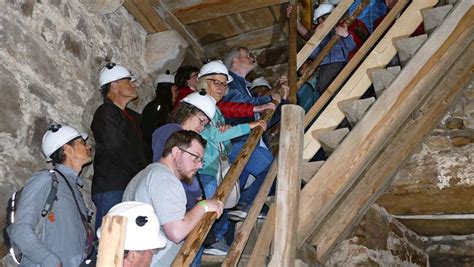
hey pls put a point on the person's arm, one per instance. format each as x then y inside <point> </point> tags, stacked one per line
<point>27,218</point>
<point>178,230</point>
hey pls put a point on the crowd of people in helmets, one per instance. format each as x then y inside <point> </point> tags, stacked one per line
<point>161,168</point>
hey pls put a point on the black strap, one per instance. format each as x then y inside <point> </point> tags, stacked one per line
<point>201,186</point>
<point>51,196</point>
<point>83,217</point>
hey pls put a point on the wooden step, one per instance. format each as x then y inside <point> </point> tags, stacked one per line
<point>407,47</point>
<point>310,169</point>
<point>433,17</point>
<point>382,78</point>
<point>356,109</point>
<point>331,139</point>
<point>360,81</point>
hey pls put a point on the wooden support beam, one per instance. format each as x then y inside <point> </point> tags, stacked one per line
<point>112,241</point>
<point>194,11</point>
<point>141,18</point>
<point>254,39</point>
<point>354,62</point>
<point>243,234</point>
<point>319,35</point>
<point>292,98</point>
<point>175,24</point>
<point>338,174</point>
<point>359,82</point>
<point>262,246</point>
<point>381,171</point>
<point>288,185</point>
<point>195,239</point>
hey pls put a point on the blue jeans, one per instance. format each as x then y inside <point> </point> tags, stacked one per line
<point>222,224</point>
<point>103,203</point>
<point>197,260</point>
<point>258,165</point>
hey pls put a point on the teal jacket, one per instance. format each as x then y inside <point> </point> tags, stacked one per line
<point>214,136</point>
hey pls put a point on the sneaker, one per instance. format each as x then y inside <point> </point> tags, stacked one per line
<point>237,215</point>
<point>219,248</point>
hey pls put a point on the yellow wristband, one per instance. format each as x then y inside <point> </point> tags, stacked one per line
<point>203,204</point>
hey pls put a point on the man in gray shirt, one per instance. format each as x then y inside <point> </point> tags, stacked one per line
<point>159,184</point>
<point>60,238</point>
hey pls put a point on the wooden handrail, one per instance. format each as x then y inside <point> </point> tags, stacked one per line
<point>319,35</point>
<point>325,51</point>
<point>195,239</point>
<point>354,62</point>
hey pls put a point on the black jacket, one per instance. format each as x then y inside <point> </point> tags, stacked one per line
<point>119,149</point>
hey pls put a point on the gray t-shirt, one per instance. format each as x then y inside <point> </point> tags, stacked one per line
<point>158,186</point>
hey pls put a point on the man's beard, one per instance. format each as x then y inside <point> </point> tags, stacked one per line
<point>183,176</point>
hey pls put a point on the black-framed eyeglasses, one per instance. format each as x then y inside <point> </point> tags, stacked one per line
<point>197,159</point>
<point>218,83</point>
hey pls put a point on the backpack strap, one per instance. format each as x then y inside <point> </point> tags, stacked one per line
<point>52,195</point>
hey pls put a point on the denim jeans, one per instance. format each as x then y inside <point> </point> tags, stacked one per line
<point>258,165</point>
<point>103,203</point>
<point>222,224</point>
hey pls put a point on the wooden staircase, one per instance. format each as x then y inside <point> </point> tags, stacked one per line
<point>362,161</point>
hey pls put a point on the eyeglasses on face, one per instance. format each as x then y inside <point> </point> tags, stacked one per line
<point>218,83</point>
<point>203,122</point>
<point>197,159</point>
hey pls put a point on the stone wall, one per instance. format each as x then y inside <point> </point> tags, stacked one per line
<point>51,52</point>
<point>379,240</point>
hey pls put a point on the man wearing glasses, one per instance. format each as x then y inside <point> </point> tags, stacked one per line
<point>159,184</point>
<point>119,149</point>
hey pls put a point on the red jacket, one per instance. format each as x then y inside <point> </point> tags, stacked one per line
<point>228,109</point>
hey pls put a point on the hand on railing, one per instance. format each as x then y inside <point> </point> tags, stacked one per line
<point>258,123</point>
<point>215,206</point>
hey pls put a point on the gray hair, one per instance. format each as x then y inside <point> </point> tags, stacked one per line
<point>232,53</point>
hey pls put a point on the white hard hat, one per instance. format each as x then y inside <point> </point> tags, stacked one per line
<point>143,226</point>
<point>56,136</point>
<point>113,72</point>
<point>260,81</point>
<point>215,67</point>
<point>322,10</point>
<point>164,78</point>
<point>202,101</point>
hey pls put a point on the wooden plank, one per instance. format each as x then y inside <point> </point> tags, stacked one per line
<point>176,25</point>
<point>254,39</point>
<point>133,9</point>
<point>337,226</point>
<point>194,11</point>
<point>354,62</point>
<point>337,175</point>
<point>319,35</point>
<point>262,246</point>
<point>292,98</point>
<point>112,241</point>
<point>360,81</point>
<point>243,234</point>
<point>195,239</point>
<point>148,11</point>
<point>288,185</point>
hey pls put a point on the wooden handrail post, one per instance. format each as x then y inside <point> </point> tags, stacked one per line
<point>288,186</point>
<point>112,241</point>
<point>292,52</point>
<point>195,239</point>
<point>325,51</point>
